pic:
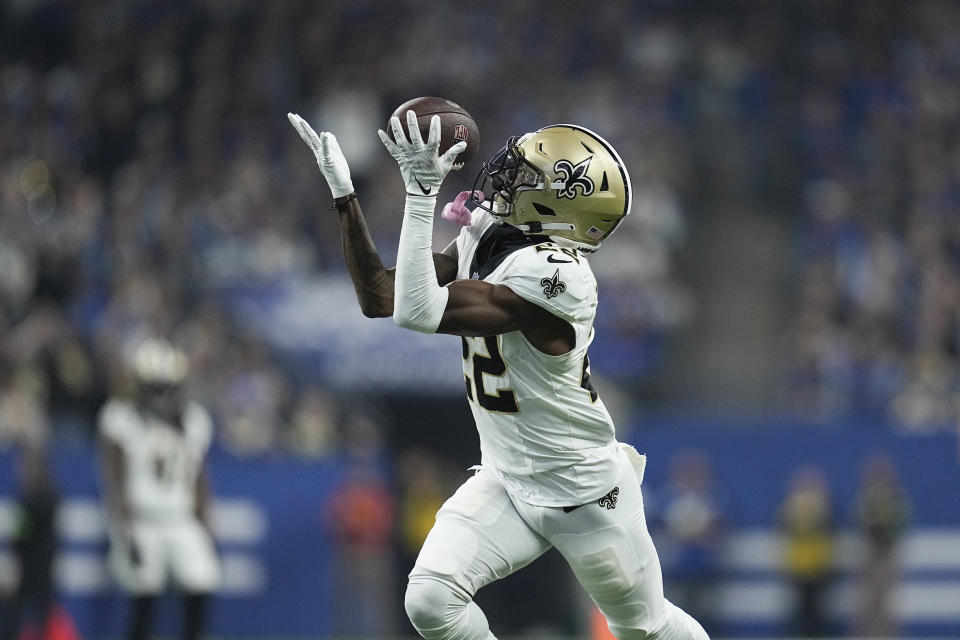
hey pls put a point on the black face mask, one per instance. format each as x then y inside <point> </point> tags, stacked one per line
<point>505,172</point>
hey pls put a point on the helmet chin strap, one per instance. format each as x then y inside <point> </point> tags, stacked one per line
<point>502,209</point>
<point>537,227</point>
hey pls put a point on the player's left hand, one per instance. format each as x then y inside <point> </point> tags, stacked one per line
<point>422,166</point>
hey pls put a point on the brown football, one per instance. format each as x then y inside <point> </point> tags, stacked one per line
<point>455,124</point>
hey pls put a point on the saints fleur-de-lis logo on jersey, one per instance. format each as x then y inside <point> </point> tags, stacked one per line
<point>610,500</point>
<point>553,286</point>
<point>573,176</point>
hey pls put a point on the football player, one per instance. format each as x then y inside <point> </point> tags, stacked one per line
<point>516,285</point>
<point>156,490</point>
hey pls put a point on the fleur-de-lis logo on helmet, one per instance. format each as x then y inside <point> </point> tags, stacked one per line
<point>553,286</point>
<point>563,181</point>
<point>573,176</point>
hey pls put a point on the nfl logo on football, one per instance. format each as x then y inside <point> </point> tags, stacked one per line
<point>460,131</point>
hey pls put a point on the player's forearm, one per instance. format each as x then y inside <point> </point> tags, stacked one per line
<point>420,300</point>
<point>117,507</point>
<point>372,282</point>
<point>113,478</point>
<point>203,498</point>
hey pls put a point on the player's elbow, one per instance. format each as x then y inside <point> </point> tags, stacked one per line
<point>408,319</point>
<point>421,311</point>
<point>375,310</point>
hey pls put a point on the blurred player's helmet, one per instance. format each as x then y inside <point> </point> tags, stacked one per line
<point>157,362</point>
<point>160,370</point>
<point>563,181</point>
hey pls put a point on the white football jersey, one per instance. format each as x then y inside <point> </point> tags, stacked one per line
<point>543,430</point>
<point>162,461</point>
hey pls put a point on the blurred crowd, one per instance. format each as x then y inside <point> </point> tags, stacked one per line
<point>876,239</point>
<point>149,180</point>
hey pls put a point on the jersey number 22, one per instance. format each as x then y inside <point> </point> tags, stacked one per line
<point>492,364</point>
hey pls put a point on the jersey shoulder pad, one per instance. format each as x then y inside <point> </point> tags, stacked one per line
<point>118,420</point>
<point>555,278</point>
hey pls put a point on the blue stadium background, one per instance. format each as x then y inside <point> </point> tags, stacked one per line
<point>784,299</point>
<point>291,551</point>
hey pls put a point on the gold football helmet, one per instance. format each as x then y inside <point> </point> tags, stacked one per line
<point>160,370</point>
<point>157,362</point>
<point>562,181</point>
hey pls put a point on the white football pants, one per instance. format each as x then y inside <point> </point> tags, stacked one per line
<point>482,534</point>
<point>147,555</point>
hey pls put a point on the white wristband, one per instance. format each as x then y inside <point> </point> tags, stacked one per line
<point>418,301</point>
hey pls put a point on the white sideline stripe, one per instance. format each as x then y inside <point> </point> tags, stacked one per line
<point>922,549</point>
<point>85,573</point>
<point>8,518</point>
<point>81,572</point>
<point>243,521</point>
<point>243,574</point>
<point>82,521</point>
<point>762,550</point>
<point>770,600</point>
<point>933,549</point>
<point>755,601</point>
<point>239,521</point>
<point>928,602</point>
<point>756,549</point>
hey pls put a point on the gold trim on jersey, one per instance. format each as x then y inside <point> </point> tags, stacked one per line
<point>505,395</point>
<point>585,382</point>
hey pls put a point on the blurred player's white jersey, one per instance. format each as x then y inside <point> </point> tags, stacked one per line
<point>162,461</point>
<point>543,431</point>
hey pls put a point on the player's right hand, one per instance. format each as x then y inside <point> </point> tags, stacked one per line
<point>422,166</point>
<point>330,158</point>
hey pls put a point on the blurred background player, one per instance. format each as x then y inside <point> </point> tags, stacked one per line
<point>809,541</point>
<point>156,490</point>
<point>35,545</point>
<point>691,509</point>
<point>882,510</point>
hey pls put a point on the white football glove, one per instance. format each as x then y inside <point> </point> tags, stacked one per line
<point>330,158</point>
<point>422,166</point>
